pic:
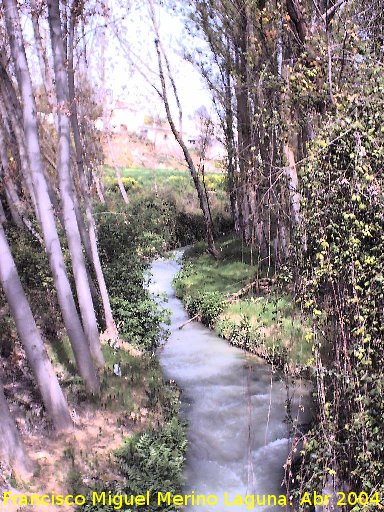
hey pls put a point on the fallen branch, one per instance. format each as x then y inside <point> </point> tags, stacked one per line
<point>260,284</point>
<point>241,292</point>
<point>188,321</point>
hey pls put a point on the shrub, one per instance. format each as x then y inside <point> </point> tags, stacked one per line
<point>214,182</point>
<point>128,183</point>
<point>341,287</point>
<point>140,322</point>
<point>242,335</point>
<point>153,461</point>
<point>124,249</point>
<point>208,305</point>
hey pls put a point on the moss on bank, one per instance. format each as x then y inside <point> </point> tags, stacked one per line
<point>265,322</point>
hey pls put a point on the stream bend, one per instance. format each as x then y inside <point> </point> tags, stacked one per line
<point>234,406</point>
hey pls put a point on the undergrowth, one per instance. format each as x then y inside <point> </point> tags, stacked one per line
<point>149,461</point>
<point>269,324</point>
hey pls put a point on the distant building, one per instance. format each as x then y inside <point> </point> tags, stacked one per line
<point>124,118</point>
<point>216,150</point>
<point>164,141</point>
<point>162,138</point>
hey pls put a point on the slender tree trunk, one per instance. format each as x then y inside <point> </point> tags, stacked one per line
<point>66,187</point>
<point>289,153</point>
<point>81,224</point>
<point>87,246</point>
<point>16,206</point>
<point>9,186</point>
<point>30,338</point>
<point>293,181</point>
<point>42,58</point>
<point>12,450</point>
<point>99,187</point>
<point>52,243</point>
<point>109,321</point>
<point>203,200</point>
<point>123,192</point>
<point>9,194</point>
<point>230,145</point>
<point>11,108</point>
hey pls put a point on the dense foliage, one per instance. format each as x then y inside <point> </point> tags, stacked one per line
<point>125,247</point>
<point>154,461</point>
<point>341,286</point>
<point>167,214</point>
<point>151,460</point>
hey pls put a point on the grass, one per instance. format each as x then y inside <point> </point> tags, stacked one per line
<point>148,179</point>
<point>209,275</point>
<point>139,376</point>
<point>205,274</point>
<point>277,323</point>
<point>271,320</point>
<point>171,180</point>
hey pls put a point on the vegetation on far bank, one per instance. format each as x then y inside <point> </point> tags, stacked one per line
<point>165,207</point>
<point>265,322</point>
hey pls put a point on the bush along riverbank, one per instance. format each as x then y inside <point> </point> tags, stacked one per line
<point>252,312</point>
<point>152,456</point>
<point>130,438</point>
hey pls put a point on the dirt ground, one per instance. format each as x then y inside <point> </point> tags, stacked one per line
<point>87,451</point>
<point>72,460</point>
<point>127,150</point>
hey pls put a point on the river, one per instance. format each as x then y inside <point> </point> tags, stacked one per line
<point>235,407</point>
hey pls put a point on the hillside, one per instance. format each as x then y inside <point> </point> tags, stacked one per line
<point>129,150</point>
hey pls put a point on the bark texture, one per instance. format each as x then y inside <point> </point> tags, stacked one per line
<point>66,187</point>
<point>52,243</point>
<point>12,450</point>
<point>29,335</point>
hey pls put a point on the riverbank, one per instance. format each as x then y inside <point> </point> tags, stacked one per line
<point>135,419</point>
<point>249,310</point>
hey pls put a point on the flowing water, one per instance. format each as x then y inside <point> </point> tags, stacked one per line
<point>235,408</point>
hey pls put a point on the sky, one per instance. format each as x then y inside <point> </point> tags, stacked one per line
<point>123,80</point>
<point>127,82</point>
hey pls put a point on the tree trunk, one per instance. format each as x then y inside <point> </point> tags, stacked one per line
<point>87,247</point>
<point>11,108</point>
<point>66,187</point>
<point>291,173</point>
<point>12,450</point>
<point>42,58</point>
<point>123,192</point>
<point>9,186</point>
<point>99,187</point>
<point>203,200</point>
<point>52,243</point>
<point>109,321</point>
<point>230,146</point>
<point>30,338</point>
<point>16,206</point>
<point>289,152</point>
